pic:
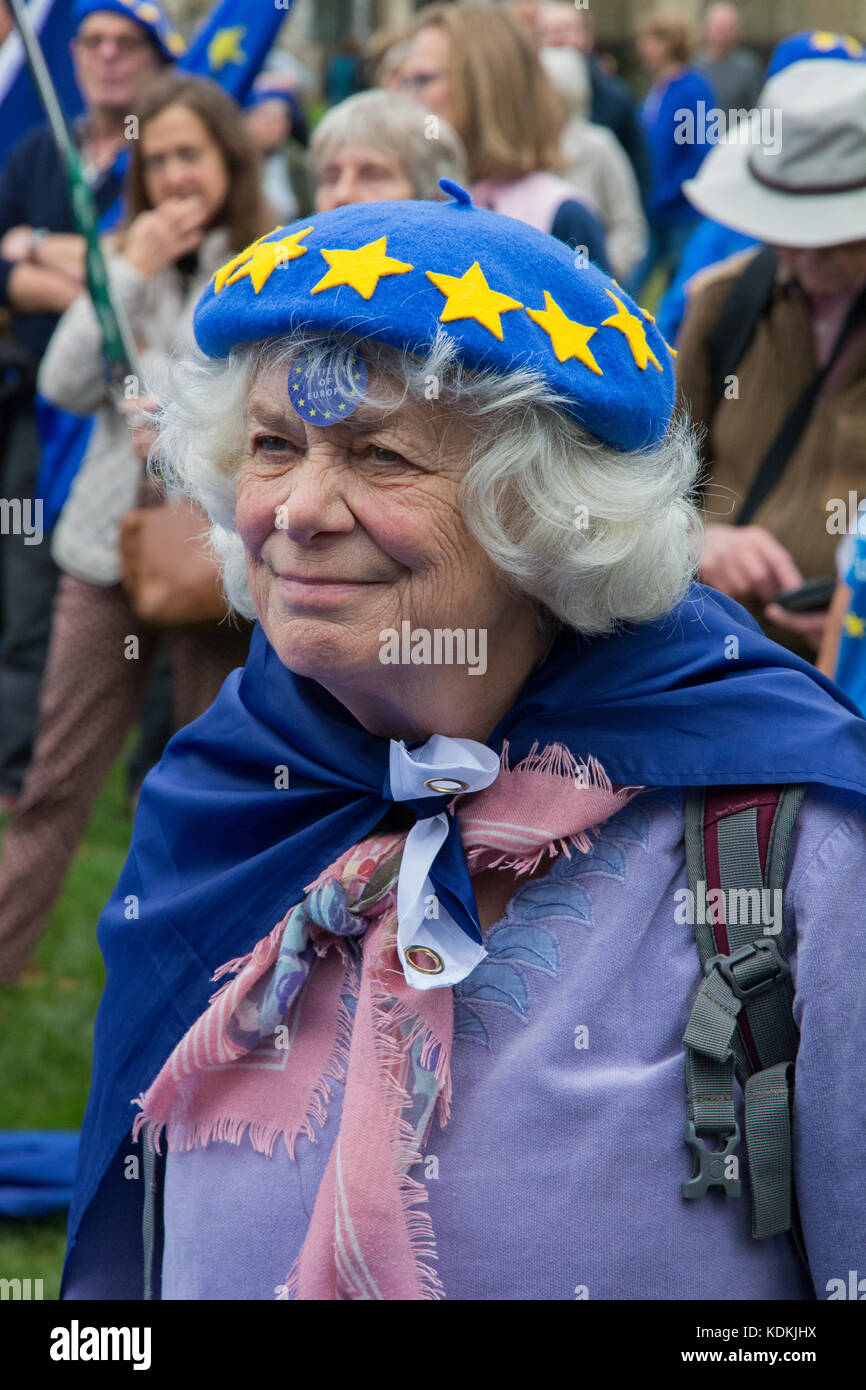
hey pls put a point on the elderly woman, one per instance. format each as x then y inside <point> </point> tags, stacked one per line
<point>431,839</point>
<point>377,147</point>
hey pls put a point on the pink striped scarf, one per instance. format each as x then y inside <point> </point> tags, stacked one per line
<point>259,1059</point>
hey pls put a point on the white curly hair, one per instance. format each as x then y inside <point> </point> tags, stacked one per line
<point>597,537</point>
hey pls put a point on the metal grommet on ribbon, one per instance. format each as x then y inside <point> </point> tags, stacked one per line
<point>423,959</point>
<point>438,939</point>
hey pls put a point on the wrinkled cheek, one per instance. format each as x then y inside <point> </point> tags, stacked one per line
<point>255,515</point>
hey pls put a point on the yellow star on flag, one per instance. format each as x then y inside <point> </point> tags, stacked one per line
<point>361,269</point>
<point>470,297</point>
<point>854,626</point>
<point>260,260</point>
<point>569,338</point>
<point>633,331</point>
<point>225,47</point>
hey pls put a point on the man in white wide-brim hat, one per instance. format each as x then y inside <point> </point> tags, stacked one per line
<point>772,353</point>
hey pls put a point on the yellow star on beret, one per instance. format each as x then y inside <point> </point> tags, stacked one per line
<point>647,315</point>
<point>470,297</point>
<point>361,269</point>
<point>854,626</point>
<point>633,331</point>
<point>569,338</point>
<point>260,260</point>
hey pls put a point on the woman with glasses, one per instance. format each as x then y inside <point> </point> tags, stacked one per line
<point>478,68</point>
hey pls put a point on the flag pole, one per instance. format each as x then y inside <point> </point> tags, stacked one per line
<point>118,343</point>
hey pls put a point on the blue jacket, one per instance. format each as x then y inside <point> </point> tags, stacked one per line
<point>662,114</point>
<point>34,193</point>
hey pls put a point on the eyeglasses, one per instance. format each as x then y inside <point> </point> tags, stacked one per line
<point>418,81</point>
<point>125,43</point>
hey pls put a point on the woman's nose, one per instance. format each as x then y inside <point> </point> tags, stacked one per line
<point>315,500</point>
<point>345,191</point>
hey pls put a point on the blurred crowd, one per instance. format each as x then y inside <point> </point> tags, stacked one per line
<point>749,249</point>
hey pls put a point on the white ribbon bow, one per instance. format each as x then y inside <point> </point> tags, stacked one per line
<point>425,929</point>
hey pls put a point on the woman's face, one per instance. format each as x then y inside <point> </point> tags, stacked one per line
<point>180,159</point>
<point>352,529</point>
<point>358,174</point>
<point>653,52</point>
<point>424,77</point>
<point>269,124</point>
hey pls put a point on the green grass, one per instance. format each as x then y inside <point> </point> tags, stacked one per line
<point>46,1024</point>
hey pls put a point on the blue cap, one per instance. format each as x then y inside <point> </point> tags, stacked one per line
<point>814,43</point>
<point>262,93</point>
<point>508,295</point>
<point>150,15</point>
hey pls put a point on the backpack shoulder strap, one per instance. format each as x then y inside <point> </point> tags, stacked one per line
<point>740,313</point>
<point>153,1173</point>
<point>742,1022</point>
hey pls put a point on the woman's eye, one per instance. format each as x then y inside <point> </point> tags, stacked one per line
<point>383,455</point>
<point>270,444</point>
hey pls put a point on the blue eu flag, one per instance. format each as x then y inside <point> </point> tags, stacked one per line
<point>233,42</point>
<point>20,107</point>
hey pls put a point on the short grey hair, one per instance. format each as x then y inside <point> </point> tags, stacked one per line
<point>425,146</point>
<point>595,536</point>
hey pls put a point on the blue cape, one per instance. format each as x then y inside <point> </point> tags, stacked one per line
<point>219,854</point>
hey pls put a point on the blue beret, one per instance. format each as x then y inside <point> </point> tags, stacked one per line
<point>814,43</point>
<point>508,295</point>
<point>150,15</point>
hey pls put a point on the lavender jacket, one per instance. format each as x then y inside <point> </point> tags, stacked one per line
<point>558,1175</point>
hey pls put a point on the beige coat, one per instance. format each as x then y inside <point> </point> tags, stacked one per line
<point>85,541</point>
<point>597,166</point>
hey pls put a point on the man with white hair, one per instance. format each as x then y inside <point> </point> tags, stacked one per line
<point>561,25</point>
<point>596,163</point>
<point>733,72</point>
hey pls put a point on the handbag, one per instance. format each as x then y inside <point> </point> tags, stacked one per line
<point>169,571</point>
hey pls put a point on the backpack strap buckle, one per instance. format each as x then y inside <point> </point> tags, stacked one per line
<point>712,1164</point>
<point>763,971</point>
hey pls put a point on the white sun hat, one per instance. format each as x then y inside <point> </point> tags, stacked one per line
<point>794,173</point>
